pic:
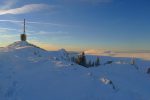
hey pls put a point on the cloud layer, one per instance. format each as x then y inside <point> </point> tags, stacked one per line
<point>143,55</point>
<point>26,9</point>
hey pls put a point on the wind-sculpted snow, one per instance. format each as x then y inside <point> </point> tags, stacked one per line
<point>30,73</point>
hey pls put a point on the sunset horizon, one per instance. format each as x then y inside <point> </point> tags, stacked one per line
<point>77,25</point>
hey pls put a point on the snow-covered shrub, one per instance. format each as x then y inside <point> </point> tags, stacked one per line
<point>97,62</point>
<point>132,61</point>
<point>108,62</point>
<point>148,71</point>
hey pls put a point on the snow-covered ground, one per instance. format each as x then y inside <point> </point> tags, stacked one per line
<point>30,73</point>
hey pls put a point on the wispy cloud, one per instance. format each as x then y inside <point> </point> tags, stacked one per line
<point>33,22</point>
<point>88,1</point>
<point>53,24</point>
<point>12,30</point>
<point>12,21</point>
<point>96,1</point>
<point>26,9</point>
<point>7,4</point>
<point>52,33</point>
<point>8,29</point>
<point>56,35</point>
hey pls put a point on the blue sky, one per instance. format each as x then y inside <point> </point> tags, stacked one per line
<point>78,24</point>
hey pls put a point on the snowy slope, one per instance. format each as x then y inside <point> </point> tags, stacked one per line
<point>30,73</point>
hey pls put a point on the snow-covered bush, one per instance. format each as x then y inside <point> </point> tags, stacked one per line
<point>108,62</point>
<point>132,61</point>
<point>148,71</point>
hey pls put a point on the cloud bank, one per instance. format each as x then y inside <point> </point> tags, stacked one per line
<point>143,55</point>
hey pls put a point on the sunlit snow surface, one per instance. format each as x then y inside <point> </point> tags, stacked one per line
<point>30,73</point>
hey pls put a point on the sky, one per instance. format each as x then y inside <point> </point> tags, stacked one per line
<point>121,25</point>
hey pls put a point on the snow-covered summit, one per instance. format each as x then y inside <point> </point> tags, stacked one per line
<point>21,44</point>
<point>24,49</point>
